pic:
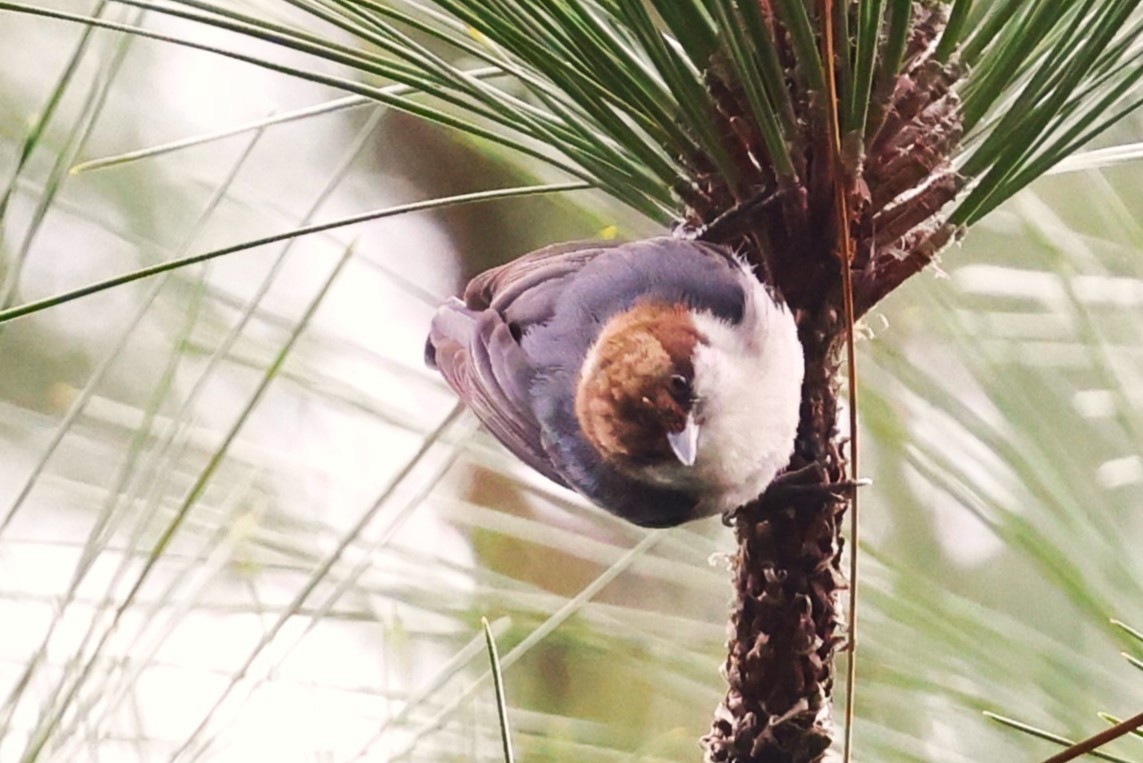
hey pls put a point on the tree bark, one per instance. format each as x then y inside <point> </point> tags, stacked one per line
<point>896,178</point>
<point>784,623</point>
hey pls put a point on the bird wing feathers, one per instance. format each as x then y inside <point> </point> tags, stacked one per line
<point>501,287</point>
<point>476,343</point>
<point>475,346</point>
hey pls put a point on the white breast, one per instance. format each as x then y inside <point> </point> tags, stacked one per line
<point>748,381</point>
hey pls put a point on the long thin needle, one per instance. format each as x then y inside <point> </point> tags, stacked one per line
<point>845,255</point>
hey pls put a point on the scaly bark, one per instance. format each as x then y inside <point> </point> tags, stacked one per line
<point>785,629</point>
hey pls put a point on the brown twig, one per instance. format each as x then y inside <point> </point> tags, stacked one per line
<point>844,253</point>
<point>1098,740</point>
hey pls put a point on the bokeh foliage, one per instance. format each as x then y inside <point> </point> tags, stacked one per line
<point>1000,406</point>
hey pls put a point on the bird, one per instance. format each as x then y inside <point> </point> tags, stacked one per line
<point>659,378</point>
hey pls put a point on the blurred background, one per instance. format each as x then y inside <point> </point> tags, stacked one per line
<point>240,520</point>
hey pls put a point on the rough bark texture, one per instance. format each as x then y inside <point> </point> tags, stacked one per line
<point>784,626</point>
<point>785,629</point>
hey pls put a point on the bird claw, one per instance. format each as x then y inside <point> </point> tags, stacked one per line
<point>810,479</point>
<point>804,481</point>
<point>731,222</point>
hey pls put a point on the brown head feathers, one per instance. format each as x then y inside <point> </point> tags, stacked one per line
<point>636,384</point>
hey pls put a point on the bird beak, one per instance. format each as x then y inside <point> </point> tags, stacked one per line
<point>685,443</point>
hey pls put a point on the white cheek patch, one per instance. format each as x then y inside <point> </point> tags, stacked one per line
<point>748,379</point>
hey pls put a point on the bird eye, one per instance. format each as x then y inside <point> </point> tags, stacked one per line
<point>680,388</point>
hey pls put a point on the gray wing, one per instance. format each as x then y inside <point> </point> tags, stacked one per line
<point>521,394</point>
<point>528,279</point>
<point>475,343</point>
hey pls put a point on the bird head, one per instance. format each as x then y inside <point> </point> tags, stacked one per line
<point>659,378</point>
<point>635,398</point>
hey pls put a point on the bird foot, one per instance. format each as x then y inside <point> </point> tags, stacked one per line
<point>730,223</point>
<point>796,483</point>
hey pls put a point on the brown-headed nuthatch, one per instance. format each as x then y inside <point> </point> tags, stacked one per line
<point>658,378</point>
